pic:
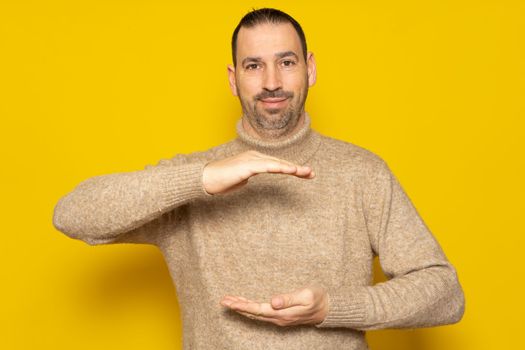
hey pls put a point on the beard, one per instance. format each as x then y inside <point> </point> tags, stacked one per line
<point>274,122</point>
<point>274,118</point>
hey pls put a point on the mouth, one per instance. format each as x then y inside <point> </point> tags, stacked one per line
<point>274,102</point>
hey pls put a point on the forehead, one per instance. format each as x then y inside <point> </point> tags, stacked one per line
<point>266,39</point>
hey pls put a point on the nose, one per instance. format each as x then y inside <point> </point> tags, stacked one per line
<point>272,79</point>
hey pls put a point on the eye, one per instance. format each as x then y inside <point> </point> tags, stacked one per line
<point>288,63</point>
<point>252,66</point>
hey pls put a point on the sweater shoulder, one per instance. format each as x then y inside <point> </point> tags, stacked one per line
<point>351,154</point>
<point>358,164</point>
<point>203,155</point>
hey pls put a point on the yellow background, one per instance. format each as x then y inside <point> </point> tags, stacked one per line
<point>436,88</point>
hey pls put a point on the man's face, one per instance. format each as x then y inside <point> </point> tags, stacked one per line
<point>271,77</point>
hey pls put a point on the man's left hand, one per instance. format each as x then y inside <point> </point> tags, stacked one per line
<point>304,306</point>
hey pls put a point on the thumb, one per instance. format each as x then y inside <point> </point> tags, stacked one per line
<point>282,301</point>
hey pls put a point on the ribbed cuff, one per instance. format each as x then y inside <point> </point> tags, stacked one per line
<point>345,308</point>
<point>181,184</point>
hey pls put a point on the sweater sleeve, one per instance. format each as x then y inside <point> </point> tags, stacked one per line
<point>422,289</point>
<point>126,207</point>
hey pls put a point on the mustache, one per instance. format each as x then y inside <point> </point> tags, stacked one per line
<point>273,94</point>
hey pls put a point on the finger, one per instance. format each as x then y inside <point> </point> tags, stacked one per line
<point>254,317</point>
<point>228,300</point>
<point>300,168</point>
<point>287,317</point>
<point>266,309</point>
<point>285,300</point>
<point>305,174</point>
<point>246,306</point>
<point>286,168</point>
<point>272,166</point>
<point>257,309</point>
<point>267,163</point>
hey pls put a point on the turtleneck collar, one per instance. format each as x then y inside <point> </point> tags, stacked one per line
<point>298,148</point>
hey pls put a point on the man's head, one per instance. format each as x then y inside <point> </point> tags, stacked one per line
<point>272,71</point>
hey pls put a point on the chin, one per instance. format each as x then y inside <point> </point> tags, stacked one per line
<point>278,123</point>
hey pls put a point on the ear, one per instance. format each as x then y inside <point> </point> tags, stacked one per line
<point>312,72</point>
<point>231,78</point>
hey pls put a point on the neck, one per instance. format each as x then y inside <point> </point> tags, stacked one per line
<point>297,147</point>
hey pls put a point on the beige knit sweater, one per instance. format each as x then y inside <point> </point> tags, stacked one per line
<point>275,235</point>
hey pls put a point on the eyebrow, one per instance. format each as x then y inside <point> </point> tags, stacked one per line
<point>278,55</point>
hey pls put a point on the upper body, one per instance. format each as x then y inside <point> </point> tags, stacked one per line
<point>232,220</point>
<point>277,234</point>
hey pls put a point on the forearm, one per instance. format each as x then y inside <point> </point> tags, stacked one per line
<point>103,207</point>
<point>428,297</point>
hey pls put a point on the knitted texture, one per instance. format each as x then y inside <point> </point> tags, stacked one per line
<point>275,235</point>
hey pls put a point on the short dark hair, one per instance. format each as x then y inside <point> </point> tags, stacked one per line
<point>266,15</point>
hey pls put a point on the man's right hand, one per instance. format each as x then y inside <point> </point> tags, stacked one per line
<point>231,173</point>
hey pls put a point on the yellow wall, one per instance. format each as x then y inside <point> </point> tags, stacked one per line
<point>93,87</point>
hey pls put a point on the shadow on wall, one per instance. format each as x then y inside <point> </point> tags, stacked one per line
<point>405,339</point>
<point>128,279</point>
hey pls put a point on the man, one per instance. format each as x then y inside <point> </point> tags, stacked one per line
<point>270,238</point>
